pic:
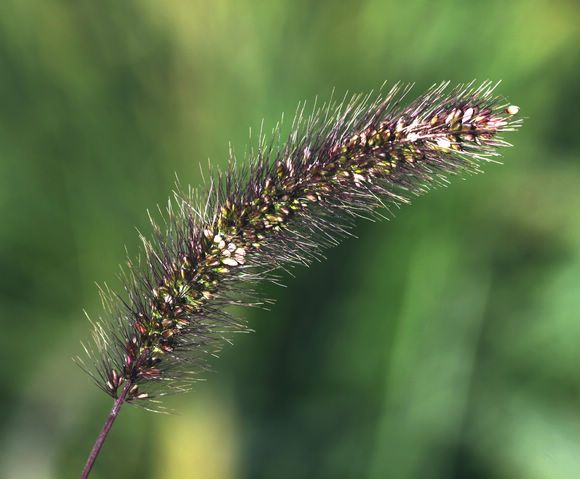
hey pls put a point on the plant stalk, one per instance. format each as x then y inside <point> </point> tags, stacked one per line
<point>105,431</point>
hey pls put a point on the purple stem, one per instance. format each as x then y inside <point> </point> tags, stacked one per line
<point>106,428</point>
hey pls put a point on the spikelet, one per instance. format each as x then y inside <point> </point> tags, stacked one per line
<point>288,201</point>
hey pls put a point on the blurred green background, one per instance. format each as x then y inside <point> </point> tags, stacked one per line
<point>443,344</point>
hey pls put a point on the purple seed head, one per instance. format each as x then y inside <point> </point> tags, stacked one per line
<point>289,201</point>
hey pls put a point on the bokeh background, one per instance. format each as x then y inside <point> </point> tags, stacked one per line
<point>443,344</point>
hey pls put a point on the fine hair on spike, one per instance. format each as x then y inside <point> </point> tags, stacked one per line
<point>283,205</point>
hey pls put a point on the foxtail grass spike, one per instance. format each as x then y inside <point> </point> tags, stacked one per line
<point>288,200</point>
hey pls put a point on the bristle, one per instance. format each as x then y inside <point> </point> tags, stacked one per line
<point>283,206</point>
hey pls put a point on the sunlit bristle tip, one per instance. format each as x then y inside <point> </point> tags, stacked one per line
<point>512,110</point>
